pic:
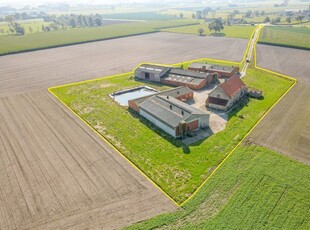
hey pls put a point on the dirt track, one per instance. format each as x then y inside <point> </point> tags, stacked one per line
<point>56,173</point>
<point>42,69</point>
<point>287,127</point>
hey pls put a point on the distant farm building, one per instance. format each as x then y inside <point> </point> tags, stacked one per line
<point>167,111</point>
<point>225,95</point>
<point>221,71</point>
<point>173,76</point>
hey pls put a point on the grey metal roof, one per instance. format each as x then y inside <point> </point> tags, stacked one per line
<point>152,68</point>
<point>199,65</point>
<point>221,68</point>
<point>174,92</point>
<point>169,110</point>
<point>188,73</point>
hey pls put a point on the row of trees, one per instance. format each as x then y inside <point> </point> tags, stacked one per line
<point>288,20</point>
<point>55,22</point>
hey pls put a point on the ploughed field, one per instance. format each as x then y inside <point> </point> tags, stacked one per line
<point>57,173</point>
<point>287,127</point>
<point>42,69</point>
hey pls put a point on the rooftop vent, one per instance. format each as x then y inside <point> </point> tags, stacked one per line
<point>182,113</point>
<point>171,107</point>
<point>167,97</point>
<point>178,92</point>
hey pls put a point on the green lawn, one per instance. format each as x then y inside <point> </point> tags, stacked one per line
<point>255,188</point>
<point>229,31</point>
<point>286,36</point>
<point>14,43</point>
<point>176,168</point>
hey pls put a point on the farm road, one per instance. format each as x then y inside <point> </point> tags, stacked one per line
<point>56,173</point>
<point>286,128</point>
<point>26,72</point>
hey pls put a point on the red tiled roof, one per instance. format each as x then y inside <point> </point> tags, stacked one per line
<point>232,86</point>
<point>217,101</point>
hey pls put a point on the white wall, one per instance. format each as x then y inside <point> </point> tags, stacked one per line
<point>158,123</point>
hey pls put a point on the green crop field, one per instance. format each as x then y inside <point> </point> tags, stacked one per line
<point>255,188</point>
<point>229,31</point>
<point>286,36</point>
<point>139,16</point>
<point>35,25</point>
<point>15,43</point>
<point>176,168</point>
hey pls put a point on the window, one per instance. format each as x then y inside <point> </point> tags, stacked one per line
<point>147,76</point>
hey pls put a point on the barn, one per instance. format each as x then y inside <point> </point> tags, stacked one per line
<point>173,76</point>
<point>225,95</point>
<point>220,70</point>
<point>169,112</point>
<point>151,72</point>
<point>172,115</point>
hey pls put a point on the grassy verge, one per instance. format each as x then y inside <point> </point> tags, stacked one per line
<point>229,31</point>
<point>256,188</point>
<point>295,37</point>
<point>176,168</point>
<point>28,42</point>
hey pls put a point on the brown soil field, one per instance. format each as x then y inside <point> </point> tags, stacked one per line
<point>41,69</point>
<point>286,128</point>
<point>56,173</point>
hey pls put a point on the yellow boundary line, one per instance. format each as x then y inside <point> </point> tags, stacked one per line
<point>181,63</point>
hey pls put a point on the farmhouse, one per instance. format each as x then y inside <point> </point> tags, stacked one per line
<point>226,94</point>
<point>221,71</point>
<point>168,111</point>
<point>173,76</point>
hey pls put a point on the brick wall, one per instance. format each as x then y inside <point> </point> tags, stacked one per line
<point>132,104</point>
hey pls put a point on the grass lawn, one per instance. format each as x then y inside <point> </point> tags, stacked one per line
<point>176,168</point>
<point>229,31</point>
<point>15,43</point>
<point>255,188</point>
<point>286,36</point>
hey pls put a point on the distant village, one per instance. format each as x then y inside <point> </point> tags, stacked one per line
<point>172,110</point>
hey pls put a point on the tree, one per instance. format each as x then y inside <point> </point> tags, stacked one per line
<point>262,13</point>
<point>19,29</point>
<point>276,20</point>
<point>256,13</point>
<point>98,21</point>
<point>267,19</point>
<point>216,25</point>
<point>181,15</point>
<point>200,31</point>
<point>72,22</point>
<point>248,14</point>
<point>300,18</point>
<point>30,29</point>
<point>288,20</point>
<point>199,15</point>
<point>91,21</point>
<point>193,16</point>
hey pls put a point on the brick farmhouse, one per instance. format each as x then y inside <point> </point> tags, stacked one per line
<point>225,95</point>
